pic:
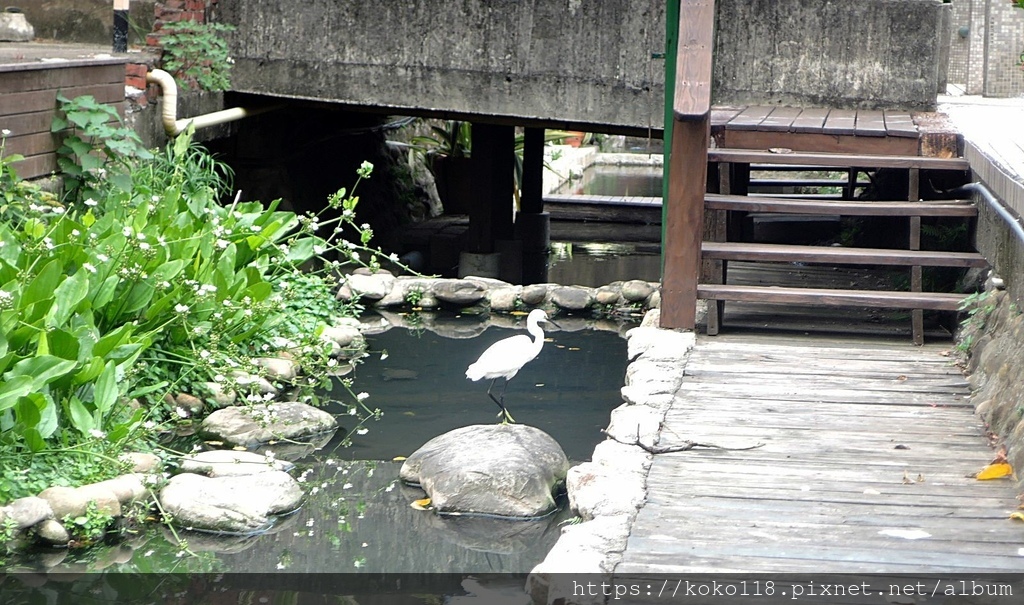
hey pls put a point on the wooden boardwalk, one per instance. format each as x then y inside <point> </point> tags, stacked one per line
<point>869,447</point>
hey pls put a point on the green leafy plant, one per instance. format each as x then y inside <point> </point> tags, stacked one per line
<point>90,526</point>
<point>196,54</point>
<point>96,146</point>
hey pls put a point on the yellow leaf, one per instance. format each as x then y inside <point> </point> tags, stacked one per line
<point>398,458</point>
<point>996,470</point>
<point>421,504</point>
<point>1017,516</point>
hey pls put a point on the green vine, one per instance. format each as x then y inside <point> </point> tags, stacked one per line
<point>196,54</point>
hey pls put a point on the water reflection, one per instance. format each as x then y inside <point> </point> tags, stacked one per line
<point>632,181</point>
<point>596,264</point>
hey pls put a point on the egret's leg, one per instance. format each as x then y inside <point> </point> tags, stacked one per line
<point>504,415</point>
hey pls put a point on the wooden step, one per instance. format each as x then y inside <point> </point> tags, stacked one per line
<point>938,301</point>
<point>839,256</point>
<point>838,160</point>
<point>963,208</point>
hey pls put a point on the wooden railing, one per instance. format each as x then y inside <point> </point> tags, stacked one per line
<point>684,222</point>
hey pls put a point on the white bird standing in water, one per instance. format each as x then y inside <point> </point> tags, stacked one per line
<point>506,357</point>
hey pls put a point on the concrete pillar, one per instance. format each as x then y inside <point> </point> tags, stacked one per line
<point>532,190</point>
<point>493,157</point>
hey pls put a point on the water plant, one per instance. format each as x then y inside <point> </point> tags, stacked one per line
<point>146,287</point>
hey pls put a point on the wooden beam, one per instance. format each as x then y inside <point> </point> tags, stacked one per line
<point>693,61</point>
<point>839,160</point>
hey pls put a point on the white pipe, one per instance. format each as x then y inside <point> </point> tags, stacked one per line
<point>169,113</point>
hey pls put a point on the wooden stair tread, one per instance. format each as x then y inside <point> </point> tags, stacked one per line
<point>939,301</point>
<point>844,160</point>
<point>839,255</point>
<point>964,208</point>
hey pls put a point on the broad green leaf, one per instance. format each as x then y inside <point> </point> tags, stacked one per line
<point>64,344</point>
<point>33,439</point>
<point>43,368</point>
<point>138,297</point>
<point>89,372</point>
<point>80,416</point>
<point>49,421</point>
<point>26,410</point>
<point>167,271</point>
<point>13,389</point>
<point>105,392</point>
<point>105,293</point>
<point>112,339</point>
<point>68,294</point>
<point>42,285</point>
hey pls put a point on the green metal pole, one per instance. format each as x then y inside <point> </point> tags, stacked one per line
<point>671,49</point>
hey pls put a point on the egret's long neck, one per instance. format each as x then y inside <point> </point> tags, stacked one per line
<point>538,336</point>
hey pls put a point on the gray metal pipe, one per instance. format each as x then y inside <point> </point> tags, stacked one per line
<point>169,113</point>
<point>1012,221</point>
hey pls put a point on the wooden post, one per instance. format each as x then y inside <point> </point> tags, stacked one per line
<point>691,132</point>
<point>916,281</point>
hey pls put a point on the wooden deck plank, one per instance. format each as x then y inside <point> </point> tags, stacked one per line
<point>749,119</point>
<point>780,119</point>
<point>840,208</point>
<point>838,160</point>
<point>839,255</point>
<point>827,487</point>
<point>899,124</point>
<point>870,124</point>
<point>810,120</point>
<point>840,121</point>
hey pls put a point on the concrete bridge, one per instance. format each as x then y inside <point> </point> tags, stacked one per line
<point>592,65</point>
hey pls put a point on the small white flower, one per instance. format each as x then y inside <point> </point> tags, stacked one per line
<point>98,434</point>
<point>148,553</point>
<point>181,412</point>
<point>362,431</point>
<point>383,355</point>
<point>154,198</point>
<point>222,243</point>
<point>102,257</point>
<point>127,231</point>
<point>88,267</point>
<point>5,132</point>
<point>180,308</point>
<point>363,396</point>
<point>91,202</point>
<point>389,487</point>
<point>75,233</point>
<point>143,245</point>
<point>347,486</point>
<point>309,523</point>
<point>280,565</point>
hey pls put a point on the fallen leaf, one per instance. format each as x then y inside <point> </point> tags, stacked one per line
<point>239,448</point>
<point>906,479</point>
<point>901,377</point>
<point>398,458</point>
<point>920,478</point>
<point>997,470</point>
<point>780,150</point>
<point>1017,516</point>
<point>423,504</point>
<point>1000,456</point>
<point>901,447</point>
<point>574,348</point>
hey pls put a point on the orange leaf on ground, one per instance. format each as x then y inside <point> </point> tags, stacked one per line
<point>421,504</point>
<point>1017,516</point>
<point>997,470</point>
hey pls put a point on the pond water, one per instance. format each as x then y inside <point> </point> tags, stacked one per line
<point>629,181</point>
<point>357,518</point>
<point>596,264</point>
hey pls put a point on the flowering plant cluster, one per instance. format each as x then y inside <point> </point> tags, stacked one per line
<point>151,286</point>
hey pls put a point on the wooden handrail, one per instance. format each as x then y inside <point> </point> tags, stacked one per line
<point>693,60</point>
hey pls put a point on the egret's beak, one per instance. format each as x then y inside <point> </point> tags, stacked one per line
<point>548,321</point>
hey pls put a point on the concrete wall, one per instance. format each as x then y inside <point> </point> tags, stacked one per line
<point>865,54</point>
<point>582,61</point>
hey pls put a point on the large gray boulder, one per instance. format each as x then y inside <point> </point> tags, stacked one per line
<point>231,463</point>
<point>250,426</point>
<point>511,470</point>
<point>229,504</point>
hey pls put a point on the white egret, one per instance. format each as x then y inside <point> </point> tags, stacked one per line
<point>506,357</point>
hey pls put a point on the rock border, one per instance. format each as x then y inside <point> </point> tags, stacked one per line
<point>608,492</point>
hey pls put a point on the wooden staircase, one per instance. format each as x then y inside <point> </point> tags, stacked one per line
<point>722,238</point>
